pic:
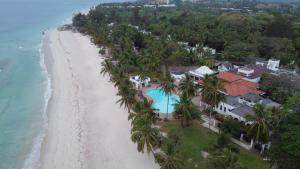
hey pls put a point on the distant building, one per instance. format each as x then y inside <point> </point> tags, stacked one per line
<point>261,62</point>
<point>252,73</point>
<point>201,72</point>
<point>225,66</point>
<point>158,2</point>
<point>209,50</point>
<point>273,64</point>
<point>167,5</point>
<point>111,24</point>
<point>178,72</point>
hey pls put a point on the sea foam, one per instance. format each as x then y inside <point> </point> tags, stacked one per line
<point>33,160</point>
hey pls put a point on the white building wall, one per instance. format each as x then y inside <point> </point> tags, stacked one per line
<point>228,112</point>
<point>222,68</point>
<point>256,80</point>
<point>245,71</point>
<point>273,64</point>
<point>139,83</point>
<point>250,104</point>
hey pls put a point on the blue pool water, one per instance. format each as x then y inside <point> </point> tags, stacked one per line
<point>160,100</point>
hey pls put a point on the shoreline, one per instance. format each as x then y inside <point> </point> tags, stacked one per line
<point>33,158</point>
<point>86,127</point>
<point>34,155</point>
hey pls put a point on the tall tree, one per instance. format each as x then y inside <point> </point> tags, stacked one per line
<point>106,67</point>
<point>145,136</point>
<point>225,159</point>
<point>285,149</point>
<point>259,128</point>
<point>292,103</point>
<point>142,109</point>
<point>281,27</point>
<point>168,86</point>
<point>169,159</point>
<point>136,15</point>
<point>185,110</point>
<point>212,92</point>
<point>188,87</point>
<point>279,88</point>
<point>127,94</point>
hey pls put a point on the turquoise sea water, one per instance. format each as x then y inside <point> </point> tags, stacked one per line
<point>160,100</point>
<point>23,81</point>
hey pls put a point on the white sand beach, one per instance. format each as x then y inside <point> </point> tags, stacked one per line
<point>87,129</point>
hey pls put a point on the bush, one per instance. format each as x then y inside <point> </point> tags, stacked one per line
<point>231,126</point>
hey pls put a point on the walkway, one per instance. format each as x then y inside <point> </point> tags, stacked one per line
<point>216,130</point>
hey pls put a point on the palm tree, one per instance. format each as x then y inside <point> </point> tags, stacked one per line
<point>127,94</point>
<point>142,76</point>
<point>209,62</point>
<point>148,59</point>
<point>168,86</point>
<point>187,86</point>
<point>185,110</point>
<point>277,115</point>
<point>144,135</point>
<point>224,159</point>
<point>169,159</point>
<point>118,76</point>
<point>142,109</point>
<point>106,67</point>
<point>259,128</point>
<point>212,92</point>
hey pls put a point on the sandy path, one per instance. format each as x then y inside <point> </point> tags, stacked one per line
<point>87,129</point>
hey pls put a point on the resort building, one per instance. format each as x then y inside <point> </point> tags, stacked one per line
<point>232,108</point>
<point>178,72</point>
<point>240,97</point>
<point>201,72</point>
<point>238,107</point>
<point>225,66</point>
<point>273,65</point>
<point>138,82</point>
<point>187,47</point>
<point>156,2</point>
<point>209,50</point>
<point>251,73</point>
<point>235,85</point>
<point>261,62</point>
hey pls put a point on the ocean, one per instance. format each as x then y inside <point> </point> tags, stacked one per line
<point>24,84</point>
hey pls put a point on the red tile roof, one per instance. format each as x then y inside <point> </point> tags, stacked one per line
<point>241,87</point>
<point>229,77</point>
<point>235,85</point>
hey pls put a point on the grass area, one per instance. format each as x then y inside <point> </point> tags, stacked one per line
<point>197,138</point>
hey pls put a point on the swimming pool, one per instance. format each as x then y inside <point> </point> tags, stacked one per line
<point>160,100</point>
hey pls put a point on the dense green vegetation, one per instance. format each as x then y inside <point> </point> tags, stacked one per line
<point>279,88</point>
<point>197,139</point>
<point>144,41</point>
<point>235,35</point>
<point>286,146</point>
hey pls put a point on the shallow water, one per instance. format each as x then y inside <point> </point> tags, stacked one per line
<point>24,86</point>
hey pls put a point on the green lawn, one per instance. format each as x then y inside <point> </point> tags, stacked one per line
<point>197,138</point>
